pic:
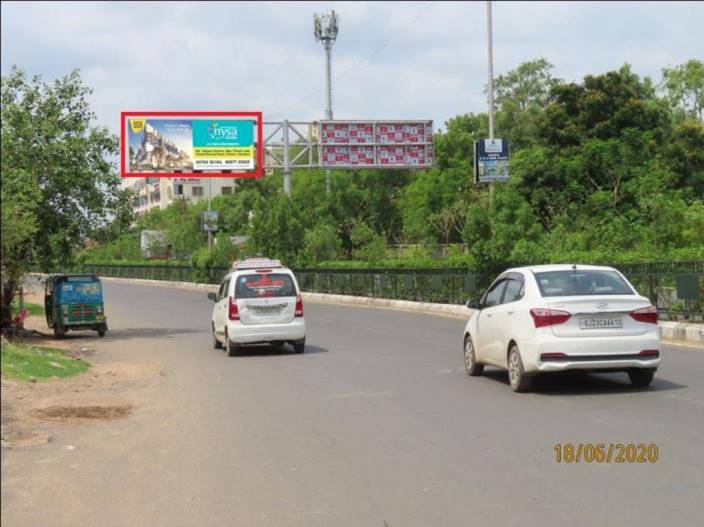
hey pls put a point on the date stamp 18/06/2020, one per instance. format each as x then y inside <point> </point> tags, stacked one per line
<point>606,453</point>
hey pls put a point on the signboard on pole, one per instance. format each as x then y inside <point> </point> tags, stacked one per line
<point>490,160</point>
<point>209,220</point>
<point>191,144</point>
<point>376,144</point>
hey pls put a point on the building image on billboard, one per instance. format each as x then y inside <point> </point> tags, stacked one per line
<point>160,150</point>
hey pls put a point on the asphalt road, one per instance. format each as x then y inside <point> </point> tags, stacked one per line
<point>375,425</point>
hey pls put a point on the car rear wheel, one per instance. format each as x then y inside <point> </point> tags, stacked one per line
<point>641,377</point>
<point>471,366</point>
<point>517,377</point>
<point>230,347</point>
<point>216,343</point>
<point>299,346</point>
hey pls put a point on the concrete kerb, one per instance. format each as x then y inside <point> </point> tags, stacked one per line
<point>675,331</point>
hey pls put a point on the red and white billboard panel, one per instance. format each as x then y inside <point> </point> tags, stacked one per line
<point>376,144</point>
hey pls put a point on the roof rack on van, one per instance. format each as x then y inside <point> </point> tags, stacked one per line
<point>256,263</point>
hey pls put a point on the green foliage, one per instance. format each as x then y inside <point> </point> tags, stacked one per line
<point>58,182</point>
<point>320,243</point>
<point>366,244</point>
<point>603,170</point>
<point>684,86</point>
<point>21,362</point>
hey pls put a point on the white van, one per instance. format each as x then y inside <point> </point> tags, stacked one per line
<point>258,302</point>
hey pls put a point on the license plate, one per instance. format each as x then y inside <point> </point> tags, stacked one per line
<point>266,310</point>
<point>601,323</point>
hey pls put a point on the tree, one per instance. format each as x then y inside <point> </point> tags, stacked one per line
<point>684,85</point>
<point>57,176</point>
<point>527,85</point>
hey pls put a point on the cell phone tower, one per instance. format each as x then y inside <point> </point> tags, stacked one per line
<point>325,28</point>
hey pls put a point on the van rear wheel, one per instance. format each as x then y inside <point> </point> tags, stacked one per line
<point>216,343</point>
<point>641,377</point>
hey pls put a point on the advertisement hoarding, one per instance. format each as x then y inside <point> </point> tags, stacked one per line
<point>491,160</point>
<point>376,144</point>
<point>191,144</point>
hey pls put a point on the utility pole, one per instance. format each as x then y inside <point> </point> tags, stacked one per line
<point>325,30</point>
<point>490,88</point>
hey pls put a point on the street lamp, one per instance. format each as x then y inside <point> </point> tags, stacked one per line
<point>325,29</point>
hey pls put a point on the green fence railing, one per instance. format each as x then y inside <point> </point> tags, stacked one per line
<point>676,288</point>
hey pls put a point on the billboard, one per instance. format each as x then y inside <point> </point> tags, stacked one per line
<point>490,160</point>
<point>191,144</point>
<point>376,144</point>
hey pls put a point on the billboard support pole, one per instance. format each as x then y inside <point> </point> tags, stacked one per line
<point>490,87</point>
<point>210,194</point>
<point>287,165</point>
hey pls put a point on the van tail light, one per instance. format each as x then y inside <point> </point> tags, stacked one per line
<point>648,315</point>
<point>548,317</point>
<point>299,307</point>
<point>650,353</point>
<point>234,312</point>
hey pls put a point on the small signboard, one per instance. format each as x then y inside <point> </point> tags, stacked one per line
<point>209,220</point>
<point>490,160</point>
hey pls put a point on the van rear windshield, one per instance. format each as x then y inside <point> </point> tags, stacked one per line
<point>264,285</point>
<point>582,283</point>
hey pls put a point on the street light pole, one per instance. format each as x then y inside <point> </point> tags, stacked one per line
<point>490,88</point>
<point>325,29</point>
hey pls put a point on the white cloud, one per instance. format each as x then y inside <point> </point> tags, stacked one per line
<point>198,56</point>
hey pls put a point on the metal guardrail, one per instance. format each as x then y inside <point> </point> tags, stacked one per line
<point>676,288</point>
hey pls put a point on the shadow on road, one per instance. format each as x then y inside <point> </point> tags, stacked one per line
<point>118,334</point>
<point>273,351</point>
<point>576,383</point>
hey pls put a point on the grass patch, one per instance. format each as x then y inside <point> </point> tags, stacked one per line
<point>21,361</point>
<point>34,309</point>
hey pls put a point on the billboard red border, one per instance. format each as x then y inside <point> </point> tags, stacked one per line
<point>258,172</point>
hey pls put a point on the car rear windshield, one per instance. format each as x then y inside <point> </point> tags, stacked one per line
<point>581,283</point>
<point>264,285</point>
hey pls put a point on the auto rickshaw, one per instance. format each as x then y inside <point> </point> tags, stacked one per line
<point>75,302</point>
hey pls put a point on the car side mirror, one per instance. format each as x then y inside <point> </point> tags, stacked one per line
<point>473,303</point>
<point>213,297</point>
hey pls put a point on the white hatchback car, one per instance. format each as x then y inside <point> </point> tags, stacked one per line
<point>258,303</point>
<point>552,318</point>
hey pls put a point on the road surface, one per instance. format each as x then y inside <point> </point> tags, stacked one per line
<point>375,425</point>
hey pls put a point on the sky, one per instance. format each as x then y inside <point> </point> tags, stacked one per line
<point>392,60</point>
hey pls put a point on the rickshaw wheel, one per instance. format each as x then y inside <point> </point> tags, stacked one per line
<point>59,331</point>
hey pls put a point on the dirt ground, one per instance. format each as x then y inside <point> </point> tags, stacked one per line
<point>106,391</point>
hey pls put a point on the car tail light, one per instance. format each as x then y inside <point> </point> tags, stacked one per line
<point>647,314</point>
<point>234,312</point>
<point>299,306</point>
<point>650,353</point>
<point>548,317</point>
<point>552,356</point>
